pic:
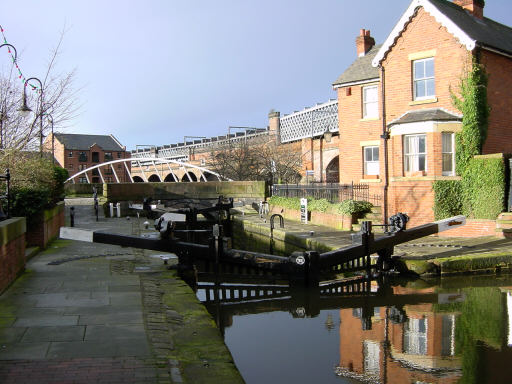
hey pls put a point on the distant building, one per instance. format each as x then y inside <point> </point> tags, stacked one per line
<point>77,152</point>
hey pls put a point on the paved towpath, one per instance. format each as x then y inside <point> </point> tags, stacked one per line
<point>76,316</point>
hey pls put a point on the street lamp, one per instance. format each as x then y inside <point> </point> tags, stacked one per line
<point>26,109</point>
<point>3,112</point>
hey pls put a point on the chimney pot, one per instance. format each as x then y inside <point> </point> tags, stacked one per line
<point>364,42</point>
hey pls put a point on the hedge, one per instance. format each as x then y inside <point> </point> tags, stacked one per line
<point>346,207</point>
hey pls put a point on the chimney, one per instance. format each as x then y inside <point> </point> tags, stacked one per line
<point>475,7</point>
<point>364,42</point>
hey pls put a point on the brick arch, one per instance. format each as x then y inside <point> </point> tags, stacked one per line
<point>137,179</point>
<point>332,171</point>
<point>169,178</point>
<point>154,178</point>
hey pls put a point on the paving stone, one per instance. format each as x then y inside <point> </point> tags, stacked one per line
<point>64,333</point>
<point>15,351</point>
<point>11,334</point>
<point>115,332</point>
<point>116,318</point>
<point>99,348</point>
<point>46,320</point>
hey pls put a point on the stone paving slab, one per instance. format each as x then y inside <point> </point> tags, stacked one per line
<point>53,333</point>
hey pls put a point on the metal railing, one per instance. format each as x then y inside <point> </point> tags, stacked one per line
<point>334,193</point>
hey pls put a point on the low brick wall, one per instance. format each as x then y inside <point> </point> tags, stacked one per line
<point>48,228</point>
<point>473,228</point>
<point>115,192</point>
<point>82,189</point>
<point>318,218</point>
<point>12,250</point>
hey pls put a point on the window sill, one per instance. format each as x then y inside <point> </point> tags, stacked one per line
<point>369,119</point>
<point>365,180</point>
<point>423,178</point>
<point>424,101</point>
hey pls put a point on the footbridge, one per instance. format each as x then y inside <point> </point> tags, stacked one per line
<point>150,169</point>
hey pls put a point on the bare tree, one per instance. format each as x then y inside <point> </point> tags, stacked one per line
<point>257,159</point>
<point>18,132</point>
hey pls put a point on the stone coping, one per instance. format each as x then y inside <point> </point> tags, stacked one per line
<point>11,229</point>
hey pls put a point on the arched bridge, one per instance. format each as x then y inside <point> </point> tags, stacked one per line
<point>150,169</point>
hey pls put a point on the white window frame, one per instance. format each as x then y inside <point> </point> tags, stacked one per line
<point>370,113</point>
<point>413,158</point>
<point>425,79</point>
<point>369,165</point>
<point>451,153</point>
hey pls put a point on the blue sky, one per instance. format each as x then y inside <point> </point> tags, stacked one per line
<point>154,71</point>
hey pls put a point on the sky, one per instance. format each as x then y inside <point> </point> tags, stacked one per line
<point>151,72</point>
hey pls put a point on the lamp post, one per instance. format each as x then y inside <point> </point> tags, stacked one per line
<point>25,109</point>
<point>3,112</point>
<point>50,118</point>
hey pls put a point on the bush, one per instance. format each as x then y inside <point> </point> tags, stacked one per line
<point>29,202</point>
<point>447,198</point>
<point>483,187</point>
<point>347,207</point>
<point>354,207</point>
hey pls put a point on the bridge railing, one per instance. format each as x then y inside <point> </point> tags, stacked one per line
<point>334,193</point>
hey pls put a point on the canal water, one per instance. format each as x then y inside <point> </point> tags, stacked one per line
<point>454,330</point>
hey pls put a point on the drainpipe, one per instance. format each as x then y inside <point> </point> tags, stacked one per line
<point>385,137</point>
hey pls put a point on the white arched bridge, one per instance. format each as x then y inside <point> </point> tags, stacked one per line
<point>150,169</point>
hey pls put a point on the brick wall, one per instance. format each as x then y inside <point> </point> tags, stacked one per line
<point>499,97</point>
<point>12,250</point>
<point>473,228</point>
<point>48,228</point>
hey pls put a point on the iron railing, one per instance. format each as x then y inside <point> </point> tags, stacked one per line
<point>333,193</point>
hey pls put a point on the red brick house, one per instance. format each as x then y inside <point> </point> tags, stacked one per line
<point>77,152</point>
<point>395,106</point>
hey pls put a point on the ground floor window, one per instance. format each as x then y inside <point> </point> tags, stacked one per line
<point>371,160</point>
<point>448,144</point>
<point>415,153</point>
<point>82,180</point>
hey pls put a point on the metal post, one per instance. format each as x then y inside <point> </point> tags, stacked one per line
<point>119,210</point>
<point>111,206</point>
<point>72,216</point>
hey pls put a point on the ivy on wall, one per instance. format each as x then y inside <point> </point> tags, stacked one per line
<point>447,198</point>
<point>472,102</point>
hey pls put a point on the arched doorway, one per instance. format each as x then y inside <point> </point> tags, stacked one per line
<point>332,172</point>
<point>154,179</point>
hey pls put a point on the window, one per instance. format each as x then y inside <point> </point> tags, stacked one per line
<point>82,180</point>
<point>448,154</point>
<point>82,157</point>
<point>70,154</point>
<point>108,156</point>
<point>370,102</point>
<point>203,162</point>
<point>119,155</point>
<point>81,167</point>
<point>415,336</point>
<point>70,166</point>
<point>95,157</point>
<point>424,82</point>
<point>371,160</point>
<point>415,153</point>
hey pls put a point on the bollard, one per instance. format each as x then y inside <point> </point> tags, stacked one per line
<point>111,206</point>
<point>72,216</point>
<point>118,205</point>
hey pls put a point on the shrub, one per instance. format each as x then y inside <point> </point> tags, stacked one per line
<point>29,202</point>
<point>483,187</point>
<point>447,198</point>
<point>285,202</point>
<point>354,207</point>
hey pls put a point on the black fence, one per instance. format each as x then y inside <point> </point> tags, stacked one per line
<point>333,193</point>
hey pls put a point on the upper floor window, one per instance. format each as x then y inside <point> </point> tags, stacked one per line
<point>415,153</point>
<point>82,156</point>
<point>371,160</point>
<point>448,144</point>
<point>108,156</point>
<point>95,157</point>
<point>119,155</point>
<point>370,102</point>
<point>70,154</point>
<point>424,80</point>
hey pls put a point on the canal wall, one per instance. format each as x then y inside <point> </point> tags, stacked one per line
<point>251,191</point>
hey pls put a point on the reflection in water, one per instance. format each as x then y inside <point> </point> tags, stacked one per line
<point>447,331</point>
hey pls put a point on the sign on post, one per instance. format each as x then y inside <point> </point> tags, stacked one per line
<point>304,211</point>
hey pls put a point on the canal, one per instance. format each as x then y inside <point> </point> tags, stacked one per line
<point>450,330</point>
